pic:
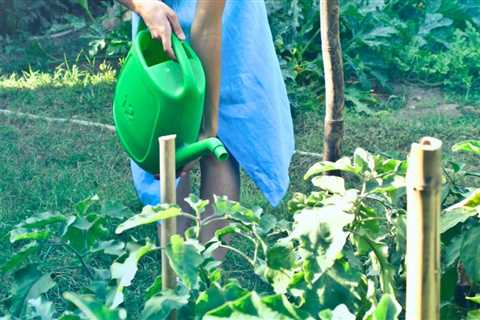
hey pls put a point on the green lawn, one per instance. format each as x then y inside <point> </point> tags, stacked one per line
<point>45,166</point>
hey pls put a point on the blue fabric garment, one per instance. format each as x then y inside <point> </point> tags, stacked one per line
<point>255,123</point>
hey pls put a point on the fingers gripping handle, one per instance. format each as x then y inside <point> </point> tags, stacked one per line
<point>185,64</point>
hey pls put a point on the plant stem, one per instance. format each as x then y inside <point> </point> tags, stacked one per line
<point>80,257</point>
<point>239,253</point>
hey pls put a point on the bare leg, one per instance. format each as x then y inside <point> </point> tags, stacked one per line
<point>218,178</point>
<point>184,188</point>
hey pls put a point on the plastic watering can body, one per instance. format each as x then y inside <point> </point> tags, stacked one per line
<point>157,96</point>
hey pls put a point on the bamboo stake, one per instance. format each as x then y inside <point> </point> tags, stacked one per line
<point>424,176</point>
<point>168,227</point>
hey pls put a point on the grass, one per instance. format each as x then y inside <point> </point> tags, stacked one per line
<point>48,166</point>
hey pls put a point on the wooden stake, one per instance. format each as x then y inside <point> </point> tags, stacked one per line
<point>167,195</point>
<point>424,178</point>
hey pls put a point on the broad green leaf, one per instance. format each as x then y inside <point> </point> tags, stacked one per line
<point>473,315</point>
<point>208,300</point>
<point>20,256</point>
<point>85,232</point>
<point>93,309</point>
<point>82,207</point>
<point>341,283</point>
<point>110,247</point>
<point>116,210</point>
<point>332,184</point>
<point>160,307</point>
<point>388,308</point>
<point>321,235</point>
<point>470,253</point>
<point>26,234</point>
<point>472,201</point>
<point>235,211</point>
<point>248,307</point>
<point>340,312</point>
<point>452,251</point>
<point>125,272</point>
<point>155,288</point>
<point>363,160</point>
<point>29,284</point>
<point>468,146</point>
<point>185,258</point>
<point>198,205</point>
<point>280,257</point>
<point>475,298</point>
<point>149,215</point>
<point>450,218</point>
<point>38,308</point>
<point>42,219</point>
<point>343,164</point>
<point>433,21</point>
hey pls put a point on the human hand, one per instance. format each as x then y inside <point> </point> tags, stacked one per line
<point>160,20</point>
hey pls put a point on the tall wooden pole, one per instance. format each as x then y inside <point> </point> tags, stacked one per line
<point>334,82</point>
<point>168,227</point>
<point>424,177</point>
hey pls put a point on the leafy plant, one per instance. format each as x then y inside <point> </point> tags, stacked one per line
<point>339,255</point>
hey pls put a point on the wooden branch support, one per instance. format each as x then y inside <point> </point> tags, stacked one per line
<point>168,227</point>
<point>424,176</point>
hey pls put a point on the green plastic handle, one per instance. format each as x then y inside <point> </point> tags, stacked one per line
<point>185,64</point>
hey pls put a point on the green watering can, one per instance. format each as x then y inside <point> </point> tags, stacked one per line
<point>157,96</point>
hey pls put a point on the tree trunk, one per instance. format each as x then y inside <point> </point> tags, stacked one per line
<point>334,82</point>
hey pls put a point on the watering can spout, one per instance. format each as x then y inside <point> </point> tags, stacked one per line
<point>190,152</point>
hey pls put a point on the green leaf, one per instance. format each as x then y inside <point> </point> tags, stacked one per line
<point>208,300</point>
<point>473,315</point>
<point>185,258</point>
<point>388,308</point>
<point>343,164</point>
<point>149,215</point>
<point>332,184</point>
<point>248,307</point>
<point>451,217</point>
<point>38,308</point>
<point>42,219</point>
<point>160,307</point>
<point>29,284</point>
<point>452,251</point>
<point>470,253</point>
<point>321,235</point>
<point>155,288</point>
<point>110,247</point>
<point>280,257</point>
<point>235,211</point>
<point>25,234</point>
<point>468,146</point>
<point>93,309</point>
<point>20,256</point>
<point>125,272</point>
<point>198,205</point>
<point>116,210</point>
<point>475,298</point>
<point>82,207</point>
<point>340,312</point>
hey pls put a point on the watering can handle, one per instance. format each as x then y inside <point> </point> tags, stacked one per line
<point>185,63</point>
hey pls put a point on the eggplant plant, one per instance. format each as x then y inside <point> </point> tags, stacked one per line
<point>339,254</point>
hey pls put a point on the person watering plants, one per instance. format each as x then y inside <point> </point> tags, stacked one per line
<point>246,103</point>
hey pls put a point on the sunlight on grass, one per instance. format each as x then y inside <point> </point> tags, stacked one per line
<point>63,75</point>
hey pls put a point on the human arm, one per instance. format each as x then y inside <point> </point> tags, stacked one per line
<point>160,20</point>
<point>206,35</point>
